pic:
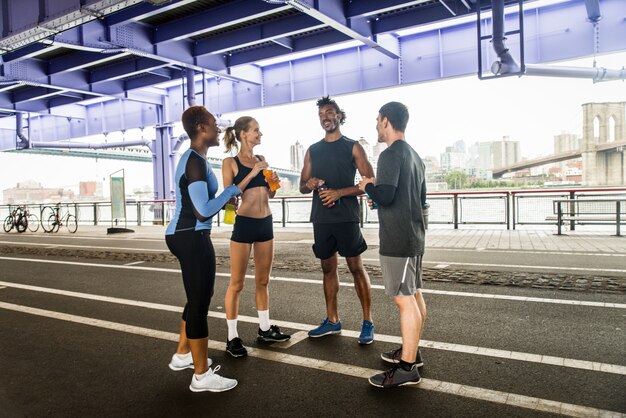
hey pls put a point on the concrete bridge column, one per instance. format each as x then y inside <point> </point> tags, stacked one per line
<point>605,167</point>
<point>588,147</point>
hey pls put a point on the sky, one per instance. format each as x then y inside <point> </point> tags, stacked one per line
<point>528,109</point>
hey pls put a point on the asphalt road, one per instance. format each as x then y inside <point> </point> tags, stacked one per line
<point>92,337</point>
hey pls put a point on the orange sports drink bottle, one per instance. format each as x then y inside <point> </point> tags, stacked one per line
<point>269,177</point>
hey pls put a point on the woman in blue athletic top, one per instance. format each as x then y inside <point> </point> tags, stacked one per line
<point>253,228</point>
<point>188,236</point>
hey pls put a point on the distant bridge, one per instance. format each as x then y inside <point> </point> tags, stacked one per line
<point>556,158</point>
<point>138,155</point>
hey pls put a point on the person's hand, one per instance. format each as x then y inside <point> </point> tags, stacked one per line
<point>275,176</point>
<point>329,195</point>
<point>234,201</point>
<point>258,167</point>
<point>365,181</point>
<point>312,183</point>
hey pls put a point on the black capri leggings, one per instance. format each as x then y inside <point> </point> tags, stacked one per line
<point>196,255</point>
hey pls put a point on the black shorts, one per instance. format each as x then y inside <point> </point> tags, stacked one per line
<point>249,230</point>
<point>344,237</point>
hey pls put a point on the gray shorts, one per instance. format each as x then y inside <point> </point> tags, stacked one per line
<point>402,275</point>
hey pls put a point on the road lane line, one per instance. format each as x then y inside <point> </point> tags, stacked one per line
<point>472,392</point>
<point>374,260</point>
<point>515,266</point>
<point>459,348</point>
<point>525,266</point>
<point>345,284</point>
<point>87,247</point>
<point>134,263</point>
<point>525,252</point>
<point>296,337</point>
<point>310,241</point>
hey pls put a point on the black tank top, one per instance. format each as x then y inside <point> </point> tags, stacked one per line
<point>243,171</point>
<point>333,162</point>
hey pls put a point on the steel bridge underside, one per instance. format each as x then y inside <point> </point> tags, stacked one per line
<point>79,68</point>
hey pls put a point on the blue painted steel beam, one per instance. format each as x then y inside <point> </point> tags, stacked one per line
<point>28,51</point>
<point>213,19</point>
<point>331,13</point>
<point>299,44</point>
<point>257,34</point>
<point>374,7</point>
<point>143,81</point>
<point>124,69</point>
<point>33,93</point>
<point>80,60</point>
<point>415,17</point>
<point>142,11</point>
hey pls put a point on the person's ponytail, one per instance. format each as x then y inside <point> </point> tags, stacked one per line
<point>230,140</point>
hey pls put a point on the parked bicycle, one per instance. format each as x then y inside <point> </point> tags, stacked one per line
<point>21,219</point>
<point>53,218</point>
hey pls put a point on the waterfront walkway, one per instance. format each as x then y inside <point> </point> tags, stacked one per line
<point>521,323</point>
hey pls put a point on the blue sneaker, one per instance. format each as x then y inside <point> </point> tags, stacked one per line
<point>367,333</point>
<point>325,328</point>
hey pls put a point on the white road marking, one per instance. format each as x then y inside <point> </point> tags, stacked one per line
<point>515,266</point>
<point>85,247</point>
<point>527,266</point>
<point>345,284</point>
<point>134,263</point>
<point>460,348</point>
<point>441,266</point>
<point>525,252</point>
<point>310,241</point>
<point>472,392</point>
<point>296,337</point>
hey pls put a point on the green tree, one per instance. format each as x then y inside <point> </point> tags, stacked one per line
<point>455,179</point>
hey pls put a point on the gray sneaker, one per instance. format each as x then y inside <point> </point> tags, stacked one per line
<point>394,356</point>
<point>396,376</point>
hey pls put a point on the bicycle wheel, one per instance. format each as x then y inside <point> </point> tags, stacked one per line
<point>8,224</point>
<point>46,213</point>
<point>22,224</point>
<point>72,223</point>
<point>52,225</point>
<point>33,223</point>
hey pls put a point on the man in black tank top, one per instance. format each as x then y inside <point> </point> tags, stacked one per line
<point>332,162</point>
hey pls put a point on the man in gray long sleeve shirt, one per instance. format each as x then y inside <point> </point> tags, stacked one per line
<point>399,189</point>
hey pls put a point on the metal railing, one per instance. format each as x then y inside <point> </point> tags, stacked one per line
<point>455,208</point>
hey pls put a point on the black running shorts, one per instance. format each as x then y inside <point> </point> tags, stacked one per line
<point>249,230</point>
<point>345,238</point>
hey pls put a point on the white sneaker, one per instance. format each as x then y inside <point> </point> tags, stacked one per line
<point>212,382</point>
<point>183,361</point>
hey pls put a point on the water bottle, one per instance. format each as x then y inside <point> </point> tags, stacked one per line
<point>229,214</point>
<point>323,186</point>
<point>374,204</point>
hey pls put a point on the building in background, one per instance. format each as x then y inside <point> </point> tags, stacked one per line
<point>378,148</point>
<point>32,192</point>
<point>495,154</point>
<point>455,157</point>
<point>566,142</point>
<point>296,156</point>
